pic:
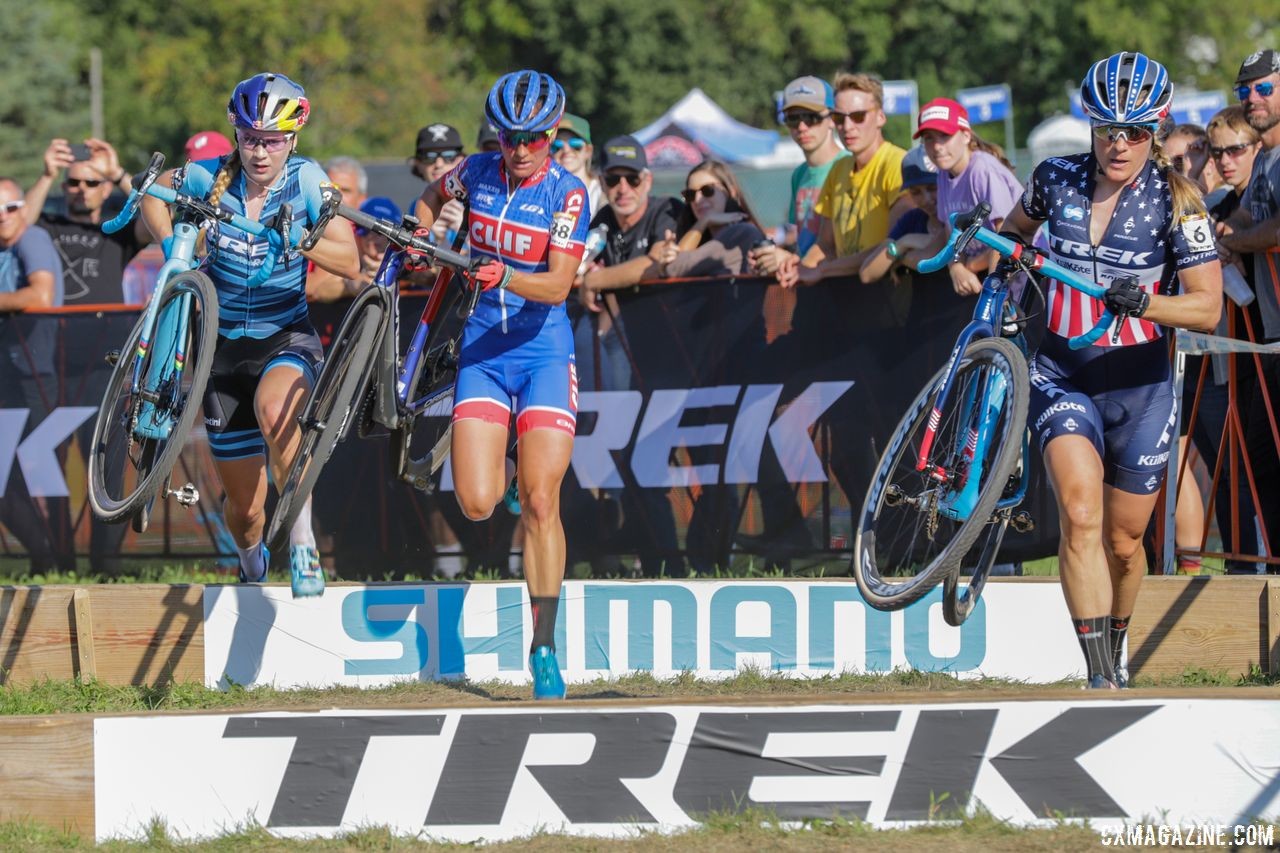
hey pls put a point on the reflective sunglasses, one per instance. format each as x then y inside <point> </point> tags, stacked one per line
<point>82,182</point>
<point>612,181</point>
<point>1264,89</point>
<point>1232,151</point>
<point>1132,134</point>
<point>448,155</point>
<point>11,206</point>
<point>857,117</point>
<point>796,118</point>
<point>270,144</point>
<point>577,143</point>
<point>706,190</point>
<point>534,140</point>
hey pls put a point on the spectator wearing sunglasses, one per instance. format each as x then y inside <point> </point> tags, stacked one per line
<point>1187,147</point>
<point>715,231</point>
<point>572,149</point>
<point>92,262</point>
<point>637,222</point>
<point>487,137</point>
<point>439,149</point>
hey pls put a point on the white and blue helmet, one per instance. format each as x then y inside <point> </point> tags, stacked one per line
<point>1127,88</point>
<point>525,100</point>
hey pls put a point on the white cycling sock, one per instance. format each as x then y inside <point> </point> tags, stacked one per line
<point>302,534</point>
<point>255,569</point>
<point>449,564</point>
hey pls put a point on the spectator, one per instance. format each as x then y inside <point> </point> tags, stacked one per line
<point>1233,144</point>
<point>372,245</point>
<point>92,262</point>
<point>914,232</point>
<point>970,170</point>
<point>1255,228</point>
<point>487,138</point>
<point>439,148</point>
<point>30,279</point>
<point>636,223</point>
<point>572,149</point>
<point>206,145</point>
<point>862,195</point>
<point>1187,147</point>
<point>807,103</point>
<point>349,176</point>
<point>715,231</point>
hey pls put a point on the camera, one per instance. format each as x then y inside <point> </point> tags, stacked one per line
<point>80,151</point>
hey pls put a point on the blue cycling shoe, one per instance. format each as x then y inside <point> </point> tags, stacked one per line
<point>305,575</point>
<point>547,682</point>
<point>266,561</point>
<point>1101,682</point>
<point>511,498</point>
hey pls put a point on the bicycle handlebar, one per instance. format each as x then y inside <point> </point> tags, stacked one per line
<point>968,226</point>
<point>403,237</point>
<point>281,237</point>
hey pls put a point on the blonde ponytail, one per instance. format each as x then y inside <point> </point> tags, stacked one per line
<point>229,172</point>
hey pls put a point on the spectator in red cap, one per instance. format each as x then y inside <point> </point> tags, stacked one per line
<point>206,145</point>
<point>970,170</point>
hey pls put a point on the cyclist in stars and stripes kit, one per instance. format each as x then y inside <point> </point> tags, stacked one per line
<point>528,221</point>
<point>1105,416</point>
<point>267,356</point>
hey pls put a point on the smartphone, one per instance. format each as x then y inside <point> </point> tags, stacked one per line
<point>80,151</point>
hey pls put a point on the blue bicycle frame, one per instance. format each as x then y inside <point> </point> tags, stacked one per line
<point>984,404</point>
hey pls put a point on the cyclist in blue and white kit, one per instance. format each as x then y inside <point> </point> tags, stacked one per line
<point>1105,416</point>
<point>528,220</point>
<point>268,355</point>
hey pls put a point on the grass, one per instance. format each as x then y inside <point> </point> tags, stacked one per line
<point>92,696</point>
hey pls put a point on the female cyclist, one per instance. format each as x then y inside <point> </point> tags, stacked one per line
<point>528,221</point>
<point>267,354</point>
<point>1105,416</point>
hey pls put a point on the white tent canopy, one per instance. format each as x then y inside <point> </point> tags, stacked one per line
<point>697,125</point>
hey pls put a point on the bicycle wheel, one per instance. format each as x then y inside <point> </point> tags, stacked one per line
<point>915,528</point>
<point>128,463</point>
<point>329,411</point>
<point>420,445</point>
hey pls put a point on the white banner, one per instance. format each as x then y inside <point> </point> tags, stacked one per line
<point>377,635</point>
<point>491,774</point>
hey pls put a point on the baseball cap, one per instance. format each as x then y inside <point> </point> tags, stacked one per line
<point>206,145</point>
<point>918,170</point>
<point>577,125</point>
<point>943,115</point>
<point>1258,64</point>
<point>624,152</point>
<point>438,137</point>
<point>488,133</point>
<point>810,93</point>
<point>381,207</point>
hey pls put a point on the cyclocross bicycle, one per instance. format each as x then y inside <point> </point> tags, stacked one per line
<point>951,478</point>
<point>159,375</point>
<point>367,383</point>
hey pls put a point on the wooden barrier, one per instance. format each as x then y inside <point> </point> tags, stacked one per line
<point>152,633</point>
<point>46,771</point>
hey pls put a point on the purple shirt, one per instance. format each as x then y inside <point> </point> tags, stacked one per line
<point>984,179</point>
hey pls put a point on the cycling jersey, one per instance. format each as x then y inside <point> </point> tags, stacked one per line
<point>1141,240</point>
<point>280,301</point>
<point>517,354</point>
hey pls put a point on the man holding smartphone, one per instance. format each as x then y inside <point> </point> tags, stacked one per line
<point>92,262</point>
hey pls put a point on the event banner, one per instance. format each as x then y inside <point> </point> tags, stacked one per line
<point>482,774</point>
<point>720,421</point>
<point>378,635</point>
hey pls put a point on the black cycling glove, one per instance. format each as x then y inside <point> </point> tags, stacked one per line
<point>1126,297</point>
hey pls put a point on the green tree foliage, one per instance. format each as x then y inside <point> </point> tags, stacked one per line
<point>44,93</point>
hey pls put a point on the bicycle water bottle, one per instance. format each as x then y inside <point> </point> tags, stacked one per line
<point>597,238</point>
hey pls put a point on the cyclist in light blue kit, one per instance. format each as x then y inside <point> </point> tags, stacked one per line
<point>528,220</point>
<point>1105,416</point>
<point>268,355</point>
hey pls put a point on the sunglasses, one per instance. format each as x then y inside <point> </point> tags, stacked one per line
<point>1264,89</point>
<point>1232,151</point>
<point>11,206</point>
<point>793,120</point>
<point>448,155</point>
<point>82,182</point>
<point>534,140</point>
<point>577,143</point>
<point>612,181</point>
<point>1132,134</point>
<point>856,117</point>
<point>270,144</point>
<point>706,191</point>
